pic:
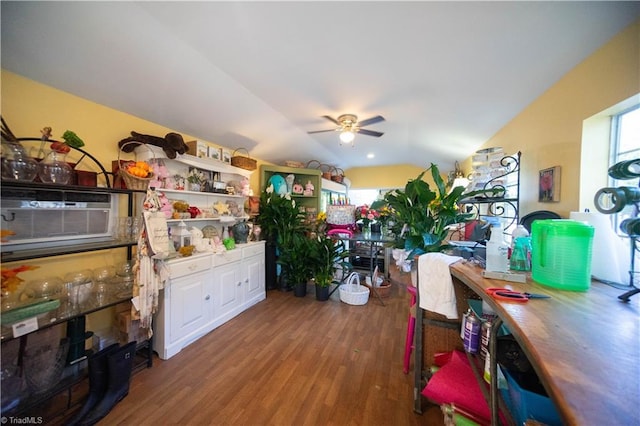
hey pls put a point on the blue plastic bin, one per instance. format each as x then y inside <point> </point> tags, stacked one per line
<point>524,404</point>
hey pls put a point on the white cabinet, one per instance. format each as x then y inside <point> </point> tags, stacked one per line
<point>204,292</point>
<point>185,306</point>
<point>238,281</point>
<point>228,288</point>
<point>252,270</point>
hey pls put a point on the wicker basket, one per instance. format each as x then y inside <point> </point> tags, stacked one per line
<point>243,162</point>
<point>131,181</point>
<point>352,293</point>
<point>337,175</point>
<point>324,168</point>
<point>294,164</point>
<point>384,290</point>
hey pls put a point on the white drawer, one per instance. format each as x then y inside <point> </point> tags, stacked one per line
<point>182,267</point>
<point>227,257</point>
<point>252,250</point>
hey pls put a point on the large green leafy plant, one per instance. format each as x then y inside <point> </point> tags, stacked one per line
<point>279,217</point>
<point>283,223</point>
<point>326,255</point>
<point>422,215</point>
<point>294,259</point>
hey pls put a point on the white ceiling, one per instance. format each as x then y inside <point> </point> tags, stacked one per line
<point>445,75</point>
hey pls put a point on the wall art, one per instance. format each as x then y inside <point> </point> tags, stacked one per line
<point>549,185</point>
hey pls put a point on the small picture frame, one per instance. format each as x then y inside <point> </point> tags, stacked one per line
<point>215,153</point>
<point>549,185</point>
<point>226,156</point>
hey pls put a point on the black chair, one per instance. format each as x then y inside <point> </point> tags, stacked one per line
<point>528,219</point>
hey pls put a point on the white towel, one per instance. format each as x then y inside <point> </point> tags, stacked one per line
<point>435,286</point>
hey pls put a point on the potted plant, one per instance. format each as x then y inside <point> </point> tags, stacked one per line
<point>326,255</point>
<point>421,215</point>
<point>281,223</point>
<point>294,260</point>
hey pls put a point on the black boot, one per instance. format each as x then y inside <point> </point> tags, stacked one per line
<point>120,364</point>
<point>98,381</point>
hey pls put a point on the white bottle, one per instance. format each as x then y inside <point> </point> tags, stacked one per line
<point>497,251</point>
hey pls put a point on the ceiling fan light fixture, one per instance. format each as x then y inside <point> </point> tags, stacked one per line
<point>347,136</point>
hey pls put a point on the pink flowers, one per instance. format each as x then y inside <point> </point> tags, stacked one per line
<point>366,214</point>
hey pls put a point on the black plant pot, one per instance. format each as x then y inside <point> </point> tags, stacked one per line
<point>376,228</point>
<point>270,266</point>
<point>300,290</point>
<point>322,293</point>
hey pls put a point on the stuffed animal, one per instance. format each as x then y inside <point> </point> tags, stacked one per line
<point>308,189</point>
<point>297,188</point>
<point>166,206</point>
<point>172,143</point>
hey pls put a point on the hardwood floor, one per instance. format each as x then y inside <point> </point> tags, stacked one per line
<point>286,361</point>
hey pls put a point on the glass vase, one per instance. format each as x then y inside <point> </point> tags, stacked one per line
<point>54,169</point>
<point>16,164</point>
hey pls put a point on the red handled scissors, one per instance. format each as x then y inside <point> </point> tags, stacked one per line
<point>514,296</point>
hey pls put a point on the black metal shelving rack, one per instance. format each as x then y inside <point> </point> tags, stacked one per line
<point>506,207</point>
<point>79,374</point>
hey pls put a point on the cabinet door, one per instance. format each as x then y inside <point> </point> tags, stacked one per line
<point>190,304</point>
<point>228,285</point>
<point>253,277</point>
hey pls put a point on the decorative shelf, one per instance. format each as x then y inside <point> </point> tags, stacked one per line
<point>154,152</point>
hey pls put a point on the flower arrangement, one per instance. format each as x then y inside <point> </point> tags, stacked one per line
<point>366,215</point>
<point>319,226</point>
<point>386,213</point>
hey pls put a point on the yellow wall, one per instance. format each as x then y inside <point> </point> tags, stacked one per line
<point>28,106</point>
<point>383,177</point>
<point>549,131</point>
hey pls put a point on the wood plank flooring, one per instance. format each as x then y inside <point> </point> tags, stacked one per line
<point>286,361</point>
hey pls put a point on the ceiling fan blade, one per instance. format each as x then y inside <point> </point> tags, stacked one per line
<point>372,120</point>
<point>331,119</point>
<point>370,133</point>
<point>322,131</point>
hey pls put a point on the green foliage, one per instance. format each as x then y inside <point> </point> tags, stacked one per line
<point>294,259</point>
<point>279,216</point>
<point>421,214</point>
<point>282,222</point>
<point>326,255</point>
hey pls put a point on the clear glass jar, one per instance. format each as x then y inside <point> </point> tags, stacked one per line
<point>54,169</point>
<point>16,164</point>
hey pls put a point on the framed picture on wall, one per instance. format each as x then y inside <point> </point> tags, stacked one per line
<point>549,185</point>
<point>226,156</point>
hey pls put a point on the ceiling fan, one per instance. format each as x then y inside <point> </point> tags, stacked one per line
<point>348,126</point>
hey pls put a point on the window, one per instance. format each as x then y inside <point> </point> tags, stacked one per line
<point>360,197</point>
<point>625,145</point>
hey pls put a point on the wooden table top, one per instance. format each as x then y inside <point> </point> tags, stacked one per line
<point>585,346</point>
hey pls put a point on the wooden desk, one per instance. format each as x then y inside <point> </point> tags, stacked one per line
<point>585,347</point>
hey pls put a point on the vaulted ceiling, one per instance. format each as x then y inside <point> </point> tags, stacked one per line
<point>445,75</point>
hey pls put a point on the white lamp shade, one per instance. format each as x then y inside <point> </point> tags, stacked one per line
<point>347,136</point>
